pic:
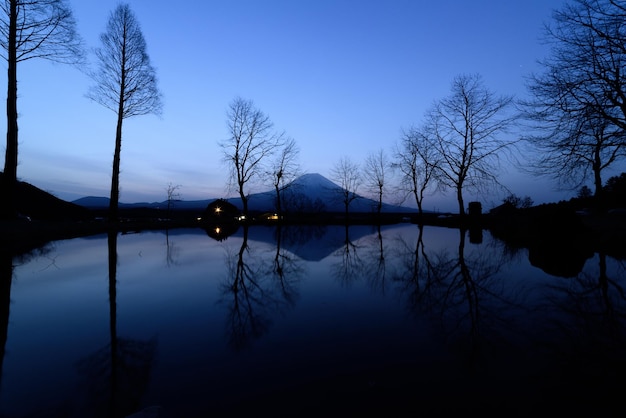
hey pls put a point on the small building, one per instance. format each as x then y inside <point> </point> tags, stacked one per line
<point>220,211</point>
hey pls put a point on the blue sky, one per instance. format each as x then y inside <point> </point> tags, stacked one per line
<point>340,77</point>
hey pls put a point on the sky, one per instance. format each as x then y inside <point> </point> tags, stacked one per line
<point>341,77</point>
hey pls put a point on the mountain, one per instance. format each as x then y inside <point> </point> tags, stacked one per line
<point>92,202</point>
<point>37,204</point>
<point>314,192</point>
<point>308,193</point>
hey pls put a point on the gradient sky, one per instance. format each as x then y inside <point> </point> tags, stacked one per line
<point>340,77</point>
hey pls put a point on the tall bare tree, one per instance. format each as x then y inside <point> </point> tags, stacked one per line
<point>31,29</point>
<point>126,82</point>
<point>468,130</point>
<point>417,160</point>
<point>347,175</point>
<point>577,108</point>
<point>375,172</point>
<point>252,139</point>
<point>284,169</point>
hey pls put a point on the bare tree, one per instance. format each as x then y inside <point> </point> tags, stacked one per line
<point>32,29</point>
<point>251,141</point>
<point>375,172</point>
<point>284,169</point>
<point>577,110</point>
<point>586,66</point>
<point>173,195</point>
<point>572,147</point>
<point>347,175</point>
<point>467,129</point>
<point>126,82</point>
<point>417,160</point>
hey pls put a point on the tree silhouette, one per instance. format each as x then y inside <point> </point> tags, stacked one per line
<point>417,160</point>
<point>284,169</point>
<point>251,141</point>
<point>576,111</point>
<point>32,29</point>
<point>375,172</point>
<point>173,195</point>
<point>347,175</point>
<point>125,82</point>
<point>467,127</point>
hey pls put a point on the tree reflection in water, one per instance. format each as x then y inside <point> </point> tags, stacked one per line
<point>117,375</point>
<point>172,251</point>
<point>463,292</point>
<point>7,259</point>
<point>6,277</point>
<point>589,316</point>
<point>350,265</point>
<point>286,270</point>
<point>374,264</point>
<point>260,284</point>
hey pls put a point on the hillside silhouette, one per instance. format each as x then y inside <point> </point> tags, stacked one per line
<point>36,204</point>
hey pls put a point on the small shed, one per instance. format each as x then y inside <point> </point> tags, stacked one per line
<point>220,211</point>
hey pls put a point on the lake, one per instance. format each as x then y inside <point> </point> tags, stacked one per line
<point>326,321</point>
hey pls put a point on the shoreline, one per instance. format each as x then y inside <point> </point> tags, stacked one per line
<point>601,233</point>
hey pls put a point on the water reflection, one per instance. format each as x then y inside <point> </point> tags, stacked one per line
<point>172,250</point>
<point>287,270</point>
<point>257,287</point>
<point>349,265</point>
<point>117,375</point>
<point>6,276</point>
<point>375,263</point>
<point>390,320</point>
<point>591,305</point>
<point>7,259</point>
<point>462,291</point>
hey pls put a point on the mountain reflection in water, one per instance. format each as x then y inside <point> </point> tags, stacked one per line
<point>294,320</point>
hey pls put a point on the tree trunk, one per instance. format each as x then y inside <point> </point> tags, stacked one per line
<point>459,198</point>
<point>279,210</point>
<point>244,203</point>
<point>597,180</point>
<point>10,160</point>
<point>418,201</point>
<point>115,178</point>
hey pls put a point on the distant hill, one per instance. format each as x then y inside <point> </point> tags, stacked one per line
<point>38,204</point>
<point>308,193</point>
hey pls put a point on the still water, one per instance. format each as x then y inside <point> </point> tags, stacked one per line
<point>329,321</point>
